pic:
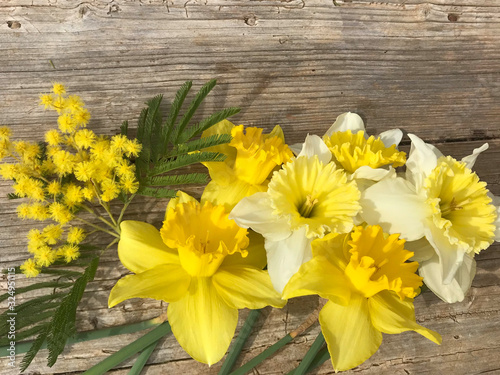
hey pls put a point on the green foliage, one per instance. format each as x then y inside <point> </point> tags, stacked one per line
<point>168,145</point>
<point>50,316</point>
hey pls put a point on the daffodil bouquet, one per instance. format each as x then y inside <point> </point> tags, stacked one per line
<point>345,216</point>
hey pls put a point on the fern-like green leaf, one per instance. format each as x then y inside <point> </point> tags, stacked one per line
<point>202,143</point>
<point>207,123</point>
<point>193,106</point>
<point>169,124</point>
<point>62,325</point>
<point>179,179</point>
<point>35,347</point>
<point>156,193</point>
<point>124,128</point>
<point>185,160</point>
<point>45,284</point>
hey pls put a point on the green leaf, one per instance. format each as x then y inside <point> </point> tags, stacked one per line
<point>124,128</point>
<point>45,284</point>
<point>179,179</point>
<point>157,193</point>
<point>13,196</point>
<point>169,124</point>
<point>193,106</point>
<point>202,143</point>
<point>35,347</point>
<point>208,123</point>
<point>185,160</point>
<point>62,325</point>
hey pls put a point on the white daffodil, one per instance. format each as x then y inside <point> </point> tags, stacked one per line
<point>364,158</point>
<point>443,209</point>
<point>306,199</point>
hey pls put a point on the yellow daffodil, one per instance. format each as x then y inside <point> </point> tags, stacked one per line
<point>251,157</point>
<point>201,263</point>
<point>369,286</point>
<point>444,209</point>
<point>365,159</point>
<point>305,200</point>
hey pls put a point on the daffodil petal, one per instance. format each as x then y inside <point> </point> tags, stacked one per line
<point>319,276</point>
<point>346,121</point>
<point>256,212</point>
<point>141,247</point>
<point>181,197</point>
<point>314,145</point>
<point>374,174</point>
<point>391,137</point>
<point>222,127</point>
<point>450,255</point>
<point>245,287</point>
<point>202,322</point>
<point>470,160</point>
<point>455,291</point>
<point>422,250</point>
<point>421,161</point>
<point>349,333</point>
<point>229,195</point>
<point>166,282</point>
<point>391,315</point>
<point>285,257</point>
<point>256,253</point>
<point>394,205</point>
<point>220,172</point>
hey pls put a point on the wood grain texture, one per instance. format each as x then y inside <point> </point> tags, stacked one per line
<point>429,67</point>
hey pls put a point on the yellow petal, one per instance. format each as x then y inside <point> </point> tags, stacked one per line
<point>319,276</point>
<point>202,322</point>
<point>222,127</point>
<point>391,315</point>
<point>167,282</point>
<point>230,194</point>
<point>256,256</point>
<point>221,172</point>
<point>141,247</point>
<point>349,333</point>
<point>180,198</point>
<point>244,287</point>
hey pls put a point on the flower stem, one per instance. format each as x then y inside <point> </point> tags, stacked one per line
<point>240,341</point>
<point>310,320</point>
<point>304,365</point>
<point>322,356</point>
<point>97,227</point>
<point>23,347</point>
<point>124,208</point>
<point>89,209</point>
<point>129,350</point>
<point>142,359</point>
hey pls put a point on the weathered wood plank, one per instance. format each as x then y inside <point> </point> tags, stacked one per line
<point>430,68</point>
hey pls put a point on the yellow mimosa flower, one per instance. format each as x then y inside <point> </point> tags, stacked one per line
<point>251,157</point>
<point>201,263</point>
<point>369,286</point>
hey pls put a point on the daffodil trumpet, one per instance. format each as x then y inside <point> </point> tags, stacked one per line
<point>204,265</point>
<point>445,212</point>
<point>369,286</point>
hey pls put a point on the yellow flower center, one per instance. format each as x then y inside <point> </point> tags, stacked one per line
<point>203,235</point>
<point>460,205</point>
<point>257,154</point>
<point>352,151</point>
<point>378,262</point>
<point>314,195</point>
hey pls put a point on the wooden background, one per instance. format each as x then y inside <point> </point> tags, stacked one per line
<point>428,67</point>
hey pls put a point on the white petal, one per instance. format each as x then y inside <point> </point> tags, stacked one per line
<point>391,137</point>
<point>460,284</point>
<point>296,148</point>
<point>422,160</point>
<point>285,257</point>
<point>421,249</point>
<point>450,255</point>
<point>470,160</point>
<point>346,121</point>
<point>314,145</point>
<point>256,212</point>
<point>374,174</point>
<point>393,204</point>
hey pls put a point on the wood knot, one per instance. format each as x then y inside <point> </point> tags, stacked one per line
<point>14,24</point>
<point>250,20</point>
<point>452,17</point>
